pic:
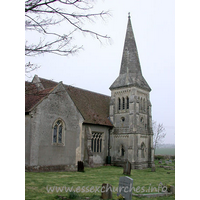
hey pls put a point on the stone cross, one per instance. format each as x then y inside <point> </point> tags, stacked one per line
<point>125,187</point>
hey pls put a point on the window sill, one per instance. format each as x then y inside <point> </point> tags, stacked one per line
<point>58,144</point>
<point>123,111</point>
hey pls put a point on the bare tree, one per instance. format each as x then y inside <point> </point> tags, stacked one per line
<point>43,16</point>
<point>158,134</point>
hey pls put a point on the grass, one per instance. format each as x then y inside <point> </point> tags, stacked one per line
<point>36,183</point>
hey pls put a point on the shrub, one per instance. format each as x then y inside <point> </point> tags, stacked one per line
<point>73,195</point>
<point>120,197</point>
<point>173,157</point>
<point>168,188</point>
<point>158,157</point>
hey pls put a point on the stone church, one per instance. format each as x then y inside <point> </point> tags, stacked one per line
<point>65,124</point>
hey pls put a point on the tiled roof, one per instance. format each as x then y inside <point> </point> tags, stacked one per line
<point>94,107</point>
<point>33,96</point>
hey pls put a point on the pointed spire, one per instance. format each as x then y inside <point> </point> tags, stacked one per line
<point>130,64</point>
<point>130,58</point>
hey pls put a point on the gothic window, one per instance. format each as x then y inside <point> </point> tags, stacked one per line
<point>141,106</point>
<point>119,104</point>
<point>127,103</point>
<point>123,103</point>
<point>92,142</point>
<point>96,142</point>
<point>58,132</point>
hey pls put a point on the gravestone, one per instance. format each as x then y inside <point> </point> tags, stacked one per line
<point>127,168</point>
<point>80,166</point>
<point>106,191</point>
<point>172,189</point>
<point>153,168</point>
<point>125,187</point>
<point>170,161</point>
<point>166,162</point>
<point>160,162</point>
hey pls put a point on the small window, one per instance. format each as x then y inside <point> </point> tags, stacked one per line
<point>122,151</point>
<point>58,132</point>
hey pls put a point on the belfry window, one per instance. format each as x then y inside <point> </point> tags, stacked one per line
<point>58,132</point>
<point>96,142</point>
<point>127,103</point>
<point>141,106</point>
<point>119,104</point>
<point>123,103</point>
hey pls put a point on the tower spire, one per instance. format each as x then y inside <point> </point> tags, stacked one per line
<point>130,63</point>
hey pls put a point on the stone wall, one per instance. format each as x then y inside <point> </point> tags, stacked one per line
<point>50,168</point>
<point>133,129</point>
<point>97,158</point>
<point>43,152</point>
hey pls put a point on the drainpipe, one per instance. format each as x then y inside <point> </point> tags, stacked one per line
<point>109,142</point>
<point>108,158</point>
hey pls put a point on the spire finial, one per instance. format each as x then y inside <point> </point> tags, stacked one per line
<point>129,15</point>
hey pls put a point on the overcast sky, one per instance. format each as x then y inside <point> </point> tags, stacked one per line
<point>97,66</point>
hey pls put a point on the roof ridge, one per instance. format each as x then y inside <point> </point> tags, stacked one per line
<point>76,87</point>
<point>87,90</point>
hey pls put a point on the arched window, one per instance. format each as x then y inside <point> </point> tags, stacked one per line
<point>141,106</point>
<point>92,143</point>
<point>127,103</point>
<point>58,132</point>
<point>123,103</point>
<point>119,104</point>
<point>122,151</point>
<point>96,142</point>
<point>100,147</point>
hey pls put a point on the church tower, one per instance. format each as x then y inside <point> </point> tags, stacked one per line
<point>130,111</point>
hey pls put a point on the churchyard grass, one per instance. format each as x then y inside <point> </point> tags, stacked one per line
<point>36,183</point>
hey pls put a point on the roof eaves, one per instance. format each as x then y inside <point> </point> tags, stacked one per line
<point>28,111</point>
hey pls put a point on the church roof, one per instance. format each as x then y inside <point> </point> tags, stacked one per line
<point>33,96</point>
<point>130,72</point>
<point>94,107</point>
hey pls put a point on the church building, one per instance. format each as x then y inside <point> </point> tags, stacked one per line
<point>65,124</point>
